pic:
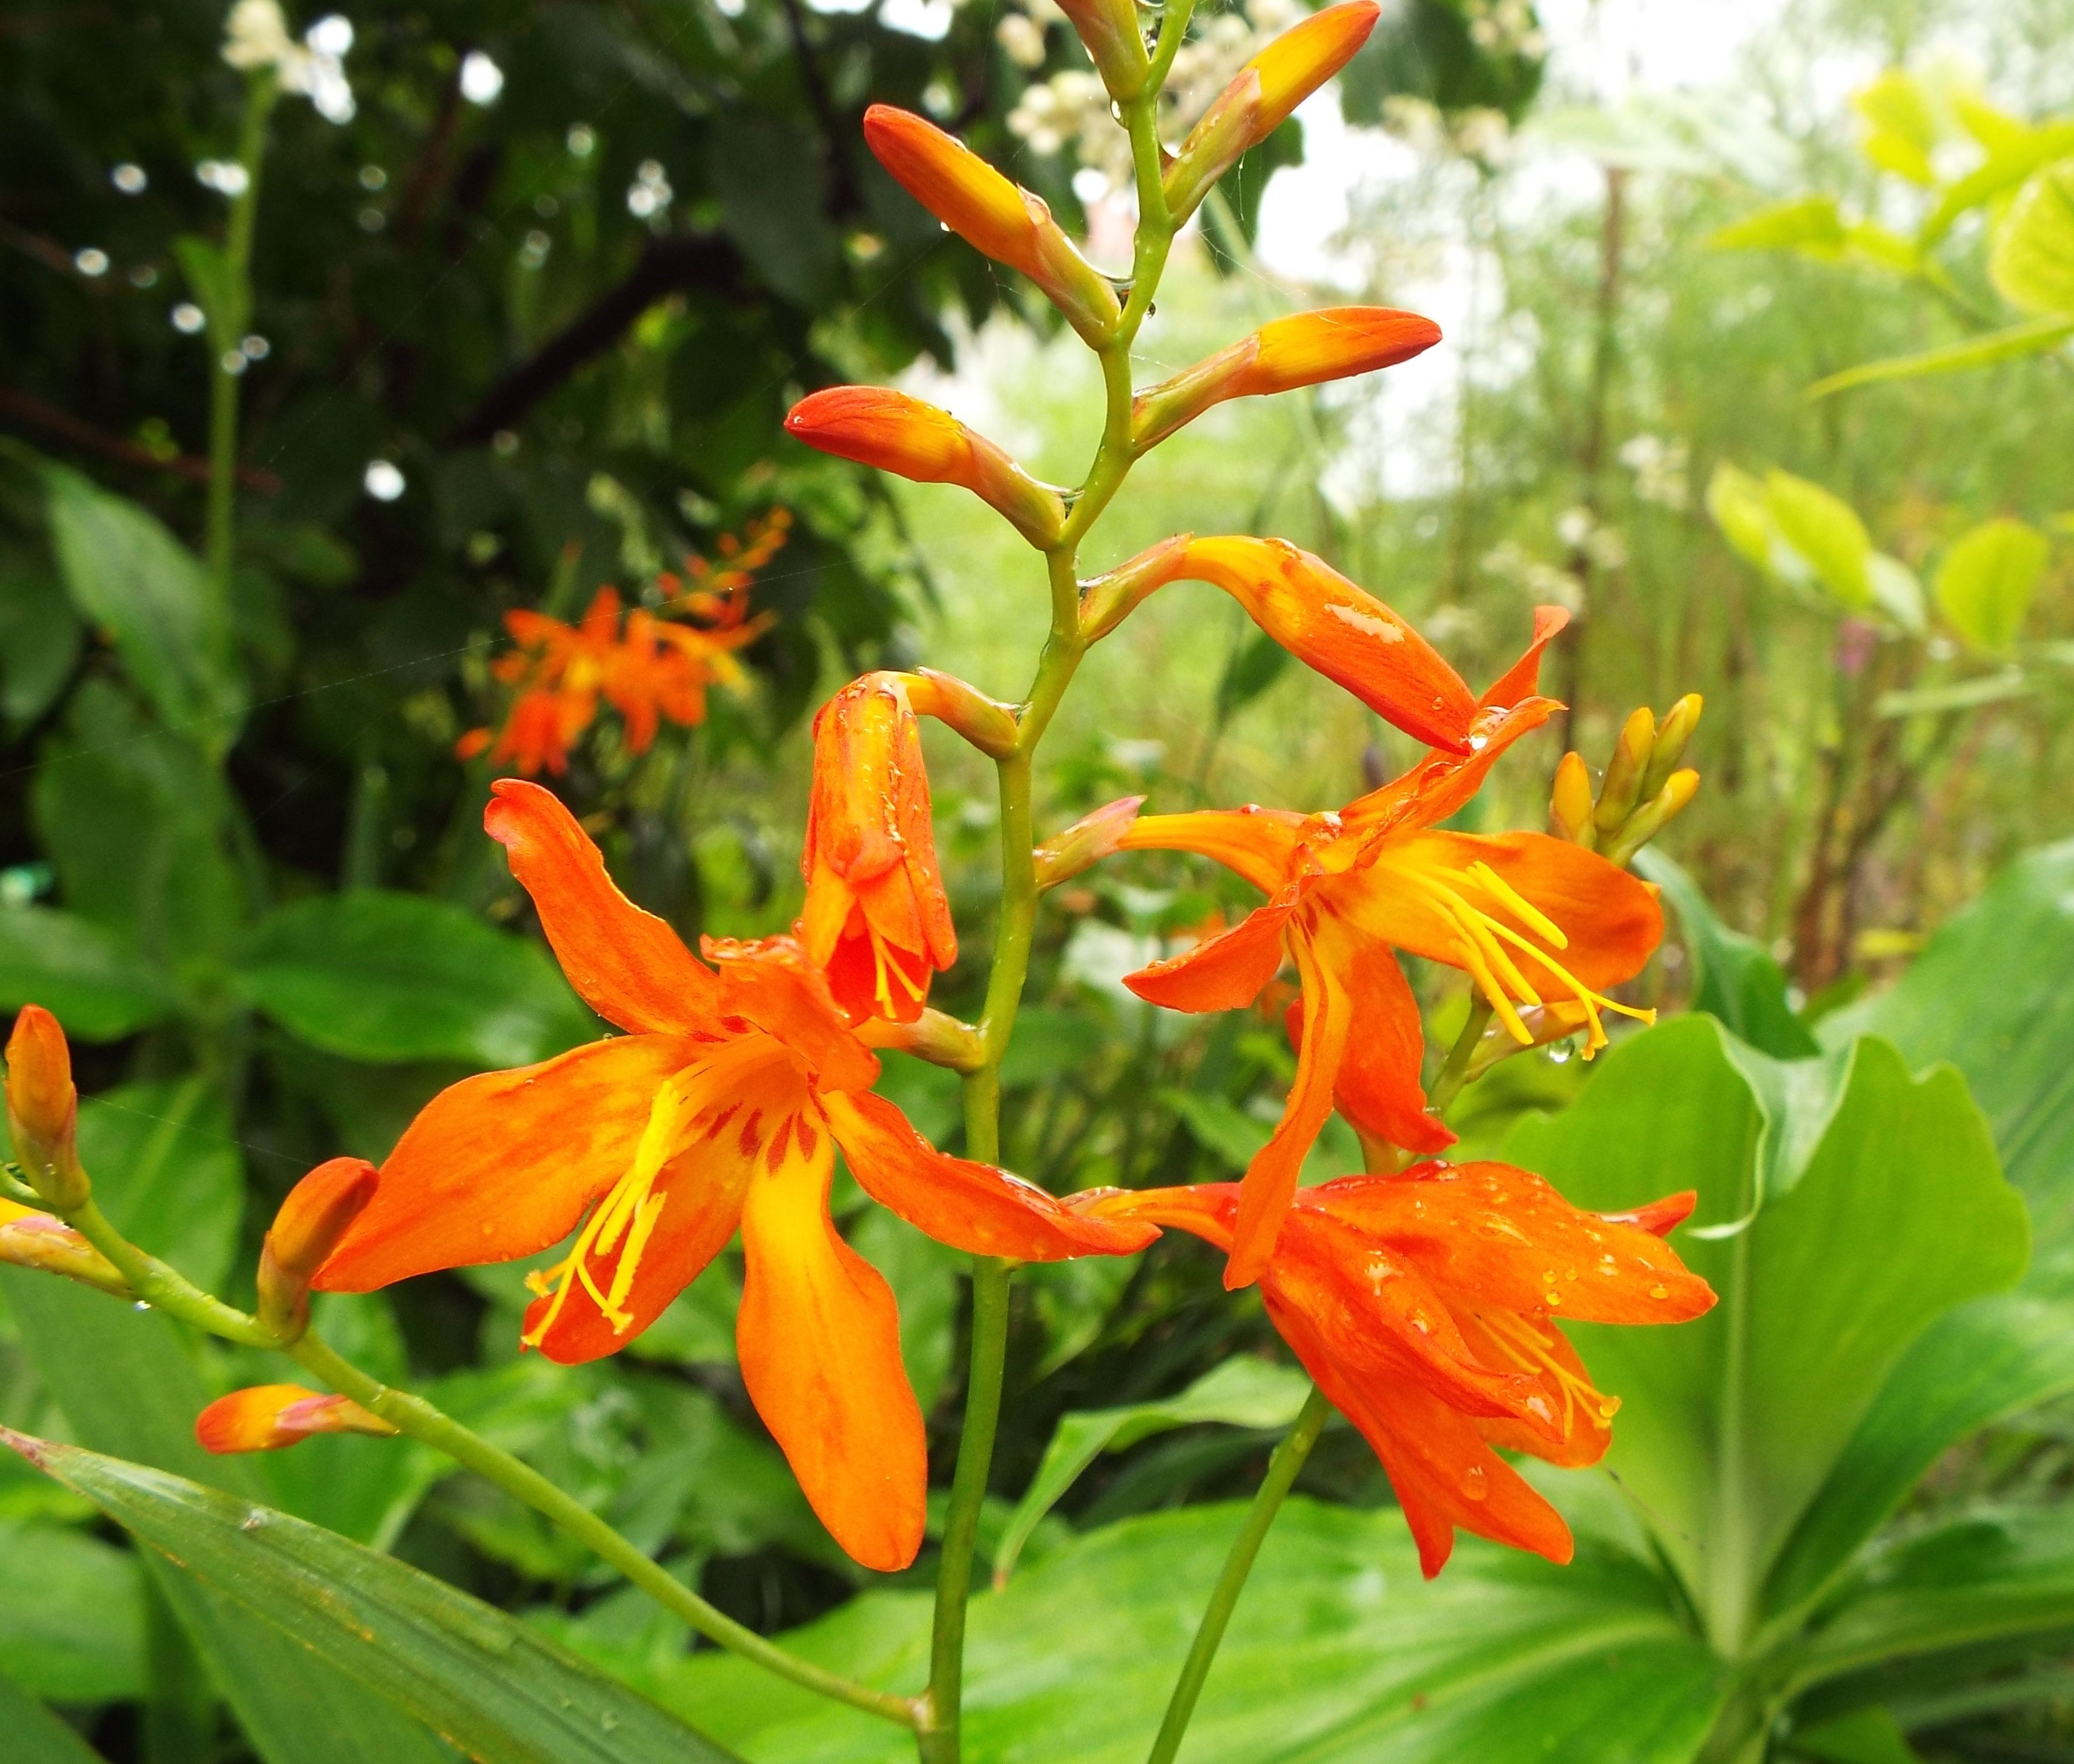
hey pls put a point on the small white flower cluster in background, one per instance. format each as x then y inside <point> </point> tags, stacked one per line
<point>649,195</point>
<point>1506,27</point>
<point>1659,466</point>
<point>1590,538</point>
<point>256,35</point>
<point>1477,133</point>
<point>1512,562</point>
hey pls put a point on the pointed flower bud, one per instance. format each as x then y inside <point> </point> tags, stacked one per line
<point>1306,350</point>
<point>1259,101</point>
<point>1622,783</point>
<point>876,426</point>
<point>876,918</point>
<point>1085,844</point>
<point>1114,41</point>
<point>1107,600</point>
<point>1006,222</point>
<point>266,1417</point>
<point>1570,802</point>
<point>309,1226</point>
<point>29,1239</point>
<point>1672,735</point>
<point>1647,821</point>
<point>42,1109</point>
<point>987,723</point>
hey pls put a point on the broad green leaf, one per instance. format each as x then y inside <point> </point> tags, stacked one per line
<point>1808,224</point>
<point>1986,583</point>
<point>1990,994</point>
<point>100,989</point>
<point>2031,262</point>
<point>768,177</point>
<point>1219,1125</point>
<point>489,1684</point>
<point>72,1615</point>
<point>169,1172</point>
<point>1895,591</point>
<point>2033,337</point>
<point>1339,1653</point>
<point>133,580</point>
<point>1243,1392</point>
<point>1049,1044</point>
<point>1825,531</point>
<point>1900,128</point>
<point>376,975</point>
<point>1898,1214</point>
<point>1736,501</point>
<point>1256,664</point>
<point>1868,1736</point>
<point>1994,688</point>
<point>34,1736</point>
<point>40,637</point>
<point>1974,1366</point>
<point>2017,151</point>
<point>1734,977</point>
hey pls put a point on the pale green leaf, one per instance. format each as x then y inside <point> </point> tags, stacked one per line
<point>2031,262</point>
<point>1895,591</point>
<point>1869,1736</point>
<point>2035,337</point>
<point>85,976</point>
<point>1734,977</point>
<point>1826,532</point>
<point>1986,583</point>
<point>1808,224</point>
<point>2017,151</point>
<point>1900,128</point>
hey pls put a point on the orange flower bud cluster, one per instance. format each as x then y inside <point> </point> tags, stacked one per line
<point>309,1226</point>
<point>42,1109</point>
<point>269,1417</point>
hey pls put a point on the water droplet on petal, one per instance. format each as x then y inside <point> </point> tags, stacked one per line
<point>1475,1486</point>
<point>1659,1292</point>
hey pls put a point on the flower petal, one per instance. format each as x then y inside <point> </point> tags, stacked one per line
<point>1521,681</point>
<point>1500,1337</point>
<point>1439,785</point>
<point>969,1206</point>
<point>819,1336</point>
<point>503,1165</point>
<point>772,984</point>
<point>1377,1087</point>
<point>1259,844</point>
<point>629,966</point>
<point>1224,971</point>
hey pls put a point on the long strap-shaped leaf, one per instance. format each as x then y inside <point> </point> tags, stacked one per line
<point>496,1688</point>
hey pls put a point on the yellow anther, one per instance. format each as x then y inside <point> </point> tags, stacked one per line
<point>1535,920</point>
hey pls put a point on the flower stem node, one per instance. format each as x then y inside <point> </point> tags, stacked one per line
<point>29,1239</point>
<point>43,1110</point>
<point>269,1417</point>
<point>311,1222</point>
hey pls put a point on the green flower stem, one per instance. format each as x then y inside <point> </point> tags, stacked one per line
<point>1274,1488</point>
<point>1455,1072</point>
<point>229,309</point>
<point>939,1741</point>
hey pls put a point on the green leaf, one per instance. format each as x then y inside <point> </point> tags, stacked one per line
<point>133,580</point>
<point>39,638</point>
<point>1219,1125</point>
<point>1896,591</point>
<point>1736,502</point>
<point>169,1172</point>
<point>2033,337</point>
<point>1825,531</point>
<point>1339,1653</point>
<point>86,978</point>
<point>72,1615</point>
<point>1901,129</point>
<point>1895,1213</point>
<point>1974,1366</point>
<point>1810,225</point>
<point>34,1736</point>
<point>926,1285</point>
<point>2016,150</point>
<point>1242,1392</point>
<point>2031,262</point>
<point>382,976</point>
<point>1256,664</point>
<point>1990,994</point>
<point>769,178</point>
<point>1986,583</point>
<point>1734,977</point>
<point>1868,1736</point>
<point>493,1687</point>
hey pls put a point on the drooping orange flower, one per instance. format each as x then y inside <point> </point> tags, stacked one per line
<point>1532,919</point>
<point>722,1106</point>
<point>876,919</point>
<point>270,1417</point>
<point>1424,1306</point>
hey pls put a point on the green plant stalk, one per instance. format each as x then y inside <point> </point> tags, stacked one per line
<point>939,1741</point>
<point>228,315</point>
<point>166,1290</point>
<point>1282,1469</point>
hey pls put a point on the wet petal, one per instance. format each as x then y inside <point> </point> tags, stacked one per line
<point>1377,1087</point>
<point>772,984</point>
<point>1259,844</point>
<point>1522,680</point>
<point>1224,971</point>
<point>1440,784</point>
<point>1536,1346</point>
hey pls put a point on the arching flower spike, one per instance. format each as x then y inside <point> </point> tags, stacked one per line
<point>1534,920</point>
<point>1425,1304</point>
<point>722,1106</point>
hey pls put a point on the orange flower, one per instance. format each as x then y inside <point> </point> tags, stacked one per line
<point>1315,613</point>
<point>267,1417</point>
<point>722,1106</point>
<point>1307,349</point>
<point>1533,920</point>
<point>1424,1306</point>
<point>875,920</point>
<point>874,425</point>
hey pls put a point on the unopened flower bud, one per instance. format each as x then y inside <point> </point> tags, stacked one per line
<point>1085,844</point>
<point>306,1230</point>
<point>42,1109</point>
<point>1109,28</point>
<point>987,723</point>
<point>876,426</point>
<point>1570,802</point>
<point>1672,735</point>
<point>983,207</point>
<point>1622,784</point>
<point>29,1239</point>
<point>1259,101</point>
<point>266,1417</point>
<point>1107,600</point>
<point>1647,821</point>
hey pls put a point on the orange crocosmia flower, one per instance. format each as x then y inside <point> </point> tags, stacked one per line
<point>722,1106</point>
<point>876,919</point>
<point>269,1417</point>
<point>1425,1304</point>
<point>1534,920</point>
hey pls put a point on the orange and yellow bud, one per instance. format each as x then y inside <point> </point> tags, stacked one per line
<point>1259,101</point>
<point>1621,787</point>
<point>29,1239</point>
<point>1085,844</point>
<point>306,1230</point>
<point>42,1109</point>
<point>876,919</point>
<point>1306,350</point>
<point>876,426</point>
<point>267,1417</point>
<point>983,207</point>
<point>1114,41</point>
<point>1673,735</point>
<point>987,723</point>
<point>1109,600</point>
<point>1570,802</point>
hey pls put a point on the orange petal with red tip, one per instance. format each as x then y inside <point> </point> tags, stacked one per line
<point>268,1417</point>
<point>1505,1237</point>
<point>627,964</point>
<point>878,426</point>
<point>503,1165</point>
<point>970,1206</point>
<point>819,1337</point>
<point>1224,971</point>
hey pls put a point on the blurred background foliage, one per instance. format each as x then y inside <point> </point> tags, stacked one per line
<point>522,333</point>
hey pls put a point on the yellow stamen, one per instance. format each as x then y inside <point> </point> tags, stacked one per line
<point>1531,916</point>
<point>1529,1350</point>
<point>884,963</point>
